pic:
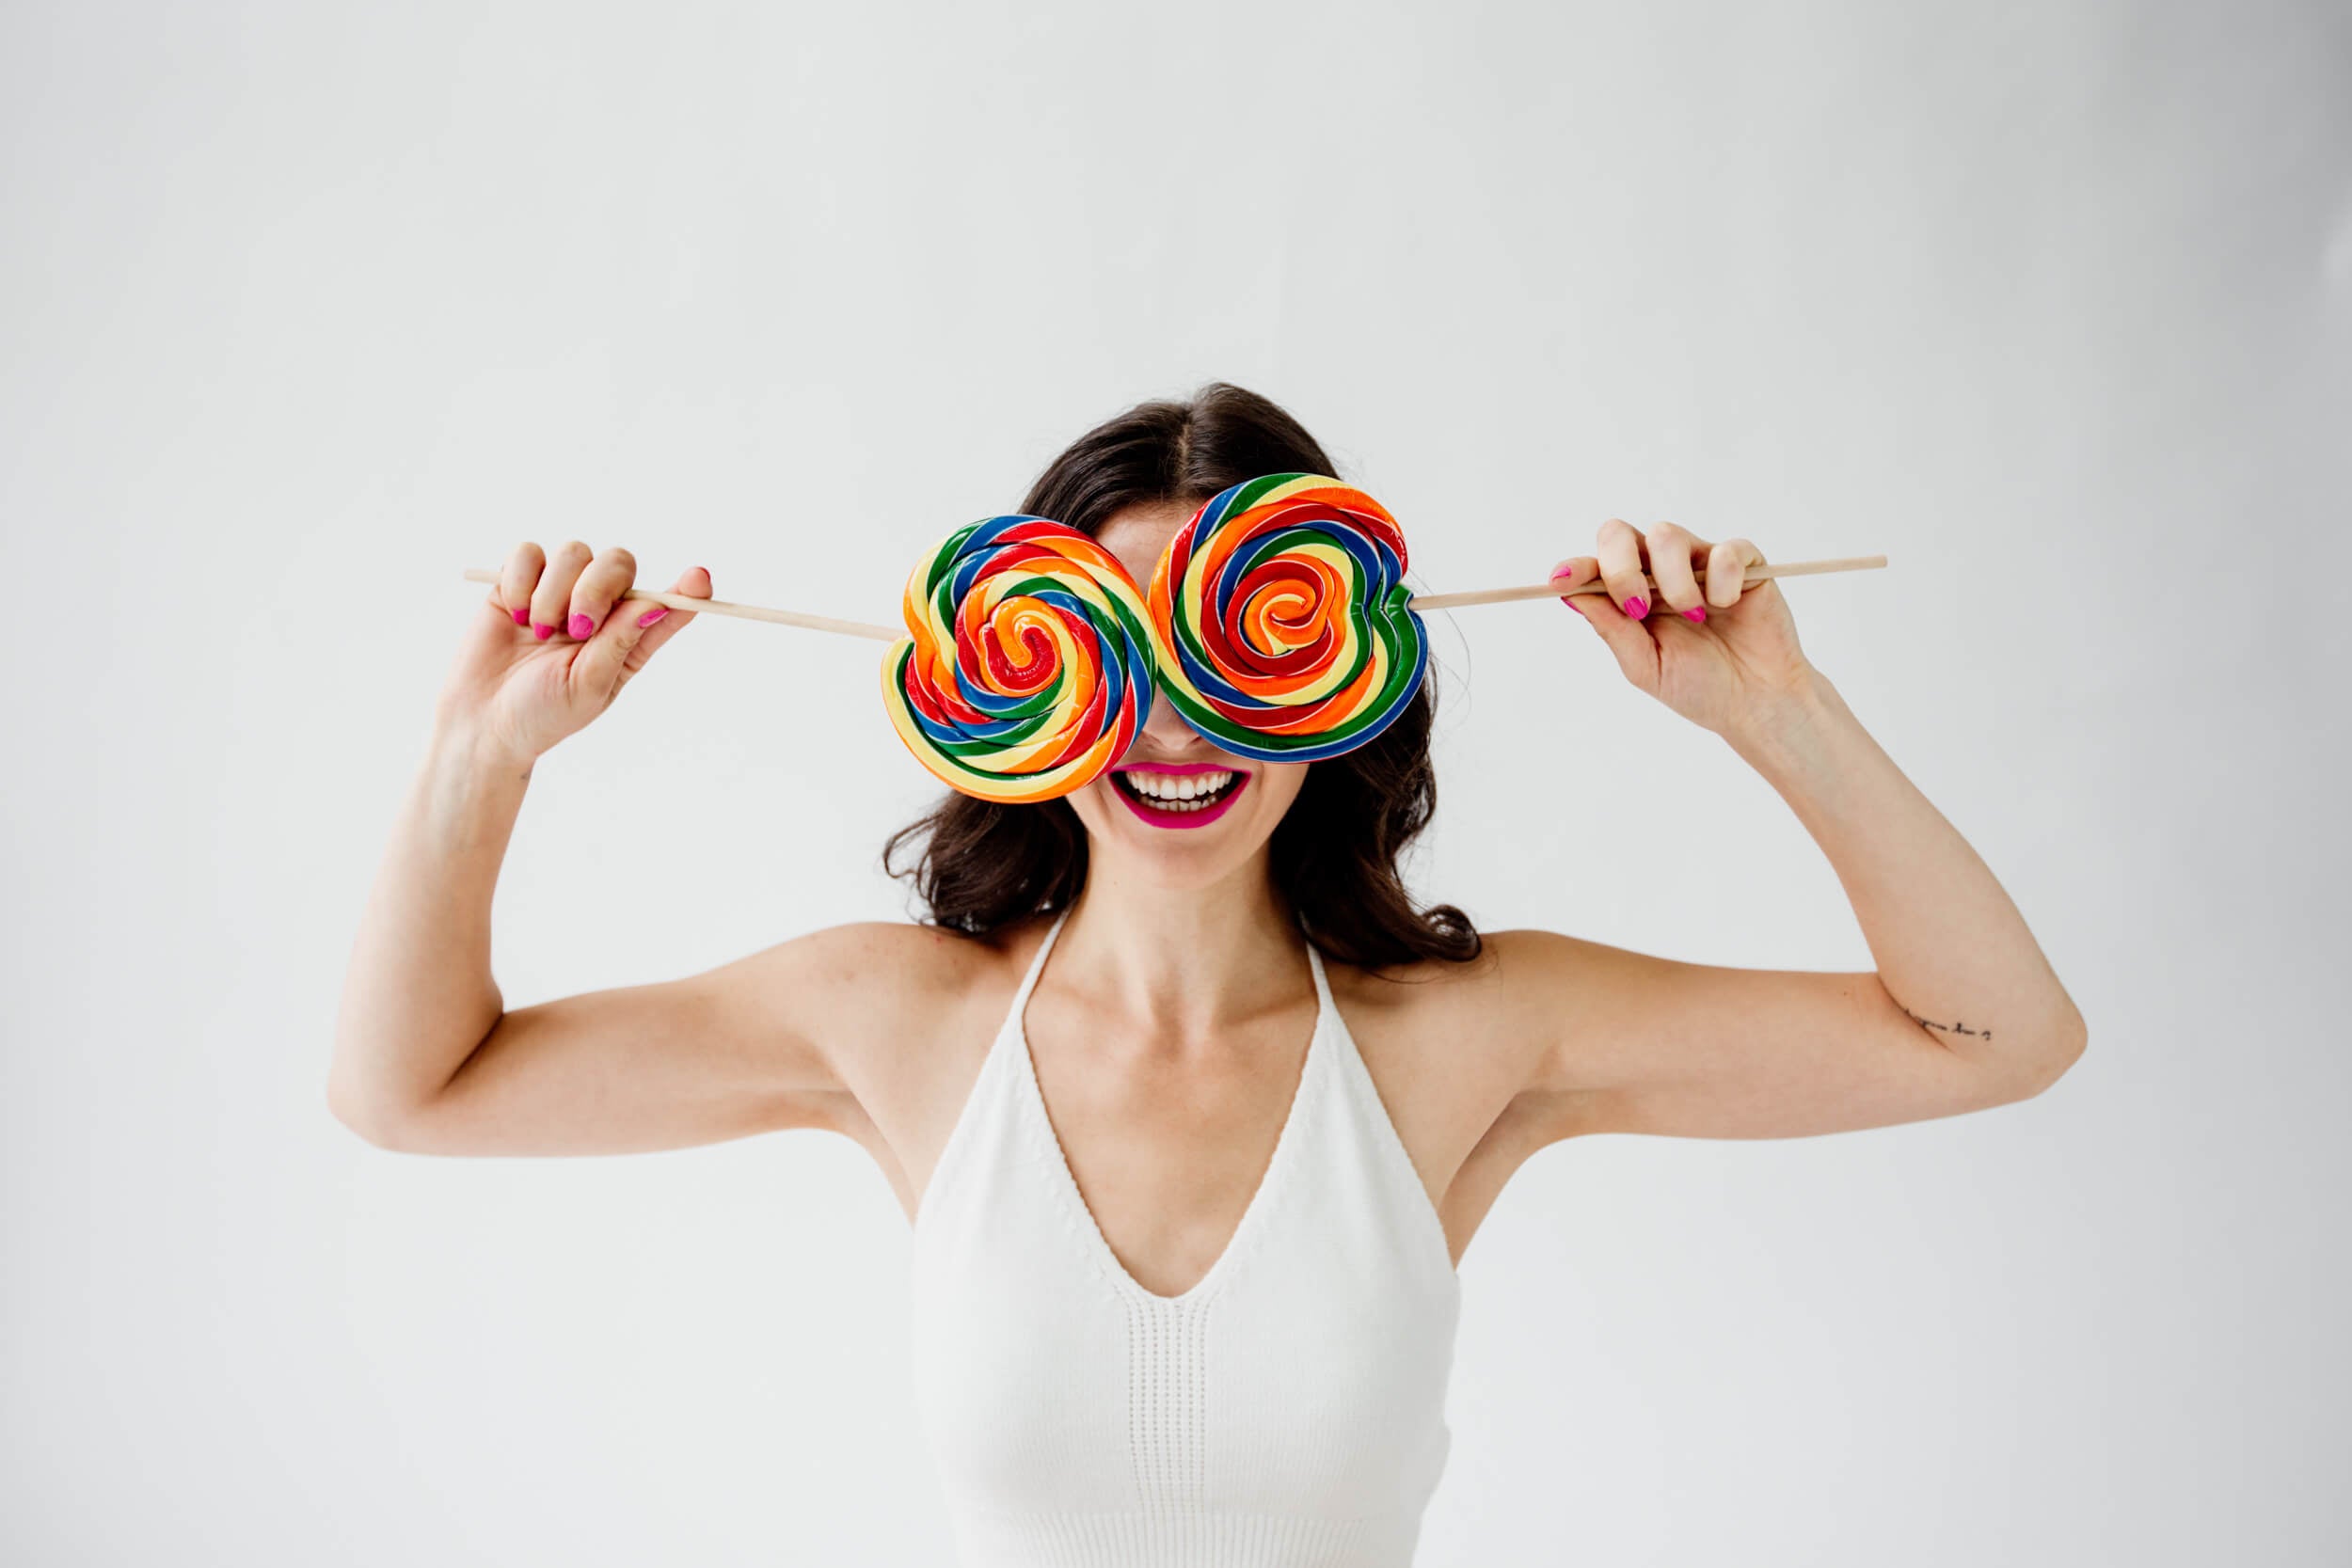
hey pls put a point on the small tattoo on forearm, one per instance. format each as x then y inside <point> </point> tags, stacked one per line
<point>1953,1028</point>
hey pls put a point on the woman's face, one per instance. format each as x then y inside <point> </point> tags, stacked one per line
<point>1177,809</point>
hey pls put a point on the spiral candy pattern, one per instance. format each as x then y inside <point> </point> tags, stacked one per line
<point>1030,665</point>
<point>1281,610</point>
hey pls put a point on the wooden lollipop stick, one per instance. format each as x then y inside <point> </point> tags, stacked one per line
<point>748,611</point>
<point>1551,590</point>
<point>1423,601</point>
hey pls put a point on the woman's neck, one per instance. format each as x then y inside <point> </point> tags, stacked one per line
<point>1183,962</point>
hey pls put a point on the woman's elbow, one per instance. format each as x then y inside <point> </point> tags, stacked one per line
<point>370,1115</point>
<point>2066,1046</point>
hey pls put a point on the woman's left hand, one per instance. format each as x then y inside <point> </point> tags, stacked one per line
<point>1721,657</point>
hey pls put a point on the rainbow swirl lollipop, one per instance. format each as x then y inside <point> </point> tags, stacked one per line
<point>1029,669</point>
<point>1282,615</point>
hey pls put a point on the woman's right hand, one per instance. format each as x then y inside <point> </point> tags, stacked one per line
<point>548,653</point>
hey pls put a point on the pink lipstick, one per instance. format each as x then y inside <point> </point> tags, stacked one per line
<point>1199,812</point>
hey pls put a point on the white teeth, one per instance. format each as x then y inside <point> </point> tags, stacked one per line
<point>1178,791</point>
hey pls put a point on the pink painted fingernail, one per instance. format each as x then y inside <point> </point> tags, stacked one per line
<point>1637,607</point>
<point>652,615</point>
<point>522,616</point>
<point>1696,612</point>
<point>541,630</point>
<point>582,627</point>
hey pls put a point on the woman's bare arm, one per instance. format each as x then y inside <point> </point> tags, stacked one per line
<point>772,1041</point>
<point>428,1060</point>
<point>426,1056</point>
<point>417,995</point>
<point>1963,1010</point>
<point>1963,1013</point>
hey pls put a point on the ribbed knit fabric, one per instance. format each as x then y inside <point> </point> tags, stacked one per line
<point>1287,1410</point>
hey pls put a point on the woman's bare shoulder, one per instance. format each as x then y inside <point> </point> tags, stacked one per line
<point>1490,1009</point>
<point>1445,988</point>
<point>888,969</point>
<point>1508,962</point>
<point>879,994</point>
<point>905,1011</point>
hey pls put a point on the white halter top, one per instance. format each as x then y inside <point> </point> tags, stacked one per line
<point>1287,1410</point>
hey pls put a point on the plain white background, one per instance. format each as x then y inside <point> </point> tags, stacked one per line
<point>308,308</point>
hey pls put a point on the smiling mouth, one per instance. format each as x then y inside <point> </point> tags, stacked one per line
<point>1190,797</point>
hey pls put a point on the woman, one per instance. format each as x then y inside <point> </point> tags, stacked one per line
<point>1188,1199</point>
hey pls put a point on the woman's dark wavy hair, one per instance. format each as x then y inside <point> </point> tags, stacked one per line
<point>979,865</point>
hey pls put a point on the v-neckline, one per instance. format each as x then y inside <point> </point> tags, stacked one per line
<point>1066,1180</point>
